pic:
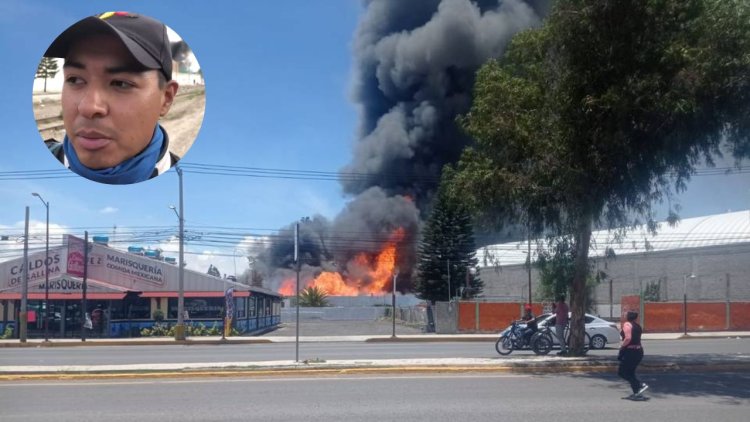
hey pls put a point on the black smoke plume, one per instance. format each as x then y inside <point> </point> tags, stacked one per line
<point>415,63</point>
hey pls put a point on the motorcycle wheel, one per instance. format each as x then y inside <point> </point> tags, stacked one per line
<point>504,345</point>
<point>541,345</point>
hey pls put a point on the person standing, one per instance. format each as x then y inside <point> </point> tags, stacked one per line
<point>631,354</point>
<point>117,85</point>
<point>561,321</point>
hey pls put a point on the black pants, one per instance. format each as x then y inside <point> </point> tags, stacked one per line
<point>629,362</point>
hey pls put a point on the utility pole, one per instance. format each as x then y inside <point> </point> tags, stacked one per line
<point>528,231</point>
<point>297,268</point>
<point>46,272</point>
<point>23,315</point>
<point>84,285</point>
<point>449,280</point>
<point>395,276</point>
<point>179,332</point>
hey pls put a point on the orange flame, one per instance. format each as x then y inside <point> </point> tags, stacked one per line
<point>378,273</point>
<point>287,288</point>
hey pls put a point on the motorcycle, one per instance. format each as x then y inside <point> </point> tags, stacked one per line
<point>514,339</point>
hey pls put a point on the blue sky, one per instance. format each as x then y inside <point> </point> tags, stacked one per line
<point>278,81</point>
<point>277,92</point>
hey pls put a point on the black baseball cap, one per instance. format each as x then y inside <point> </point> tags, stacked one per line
<point>144,37</point>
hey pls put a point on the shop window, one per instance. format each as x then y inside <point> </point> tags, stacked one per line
<point>199,308</point>
<point>251,307</point>
<point>239,306</point>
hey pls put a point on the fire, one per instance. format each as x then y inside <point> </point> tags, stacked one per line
<point>367,275</point>
<point>287,288</point>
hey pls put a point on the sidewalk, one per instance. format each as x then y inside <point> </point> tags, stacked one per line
<point>514,363</point>
<point>150,341</point>
<point>519,364</point>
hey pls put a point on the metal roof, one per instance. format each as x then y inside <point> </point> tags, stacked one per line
<point>697,232</point>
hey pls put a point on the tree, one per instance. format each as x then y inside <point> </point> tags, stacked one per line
<point>212,270</point>
<point>47,69</point>
<point>603,111</point>
<point>446,252</point>
<point>556,264</point>
<point>313,297</point>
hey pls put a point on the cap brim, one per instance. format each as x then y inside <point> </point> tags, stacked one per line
<point>61,45</point>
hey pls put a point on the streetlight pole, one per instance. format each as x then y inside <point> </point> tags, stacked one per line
<point>179,332</point>
<point>448,266</point>
<point>393,294</point>
<point>529,239</point>
<point>46,272</point>
<point>684,301</point>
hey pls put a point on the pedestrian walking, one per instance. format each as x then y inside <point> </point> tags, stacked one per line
<point>631,354</point>
<point>561,321</point>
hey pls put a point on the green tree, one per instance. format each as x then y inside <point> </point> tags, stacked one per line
<point>313,297</point>
<point>603,111</point>
<point>47,69</point>
<point>446,252</point>
<point>556,264</point>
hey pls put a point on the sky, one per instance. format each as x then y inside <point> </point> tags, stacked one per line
<point>278,95</point>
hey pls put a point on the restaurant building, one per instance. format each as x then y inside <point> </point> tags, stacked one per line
<point>124,293</point>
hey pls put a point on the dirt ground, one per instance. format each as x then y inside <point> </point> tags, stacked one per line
<point>182,123</point>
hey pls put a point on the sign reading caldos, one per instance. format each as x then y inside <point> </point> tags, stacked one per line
<point>13,270</point>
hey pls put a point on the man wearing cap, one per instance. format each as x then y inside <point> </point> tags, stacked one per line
<point>117,84</point>
<point>530,321</point>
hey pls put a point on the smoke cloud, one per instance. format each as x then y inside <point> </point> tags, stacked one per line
<point>415,63</point>
<point>414,72</point>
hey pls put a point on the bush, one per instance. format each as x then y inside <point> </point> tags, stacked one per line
<point>8,333</point>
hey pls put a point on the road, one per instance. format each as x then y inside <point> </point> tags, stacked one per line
<point>101,355</point>
<point>434,398</point>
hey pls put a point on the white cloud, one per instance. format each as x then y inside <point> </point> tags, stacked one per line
<point>108,210</point>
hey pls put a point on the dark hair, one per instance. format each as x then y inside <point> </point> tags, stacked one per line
<point>632,315</point>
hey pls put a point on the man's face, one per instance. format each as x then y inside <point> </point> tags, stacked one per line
<point>110,105</point>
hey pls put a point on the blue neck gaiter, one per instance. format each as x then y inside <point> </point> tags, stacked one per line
<point>132,170</point>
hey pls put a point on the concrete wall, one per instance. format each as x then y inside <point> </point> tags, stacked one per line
<point>721,272</point>
<point>446,317</point>
<point>333,314</point>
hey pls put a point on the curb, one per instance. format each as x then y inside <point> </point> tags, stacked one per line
<point>268,340</point>
<point>188,342</point>
<point>323,369</point>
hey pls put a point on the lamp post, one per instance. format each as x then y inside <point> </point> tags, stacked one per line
<point>393,295</point>
<point>684,301</point>
<point>179,332</point>
<point>529,242</point>
<point>46,272</point>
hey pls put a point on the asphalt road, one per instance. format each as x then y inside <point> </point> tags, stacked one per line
<point>474,397</point>
<point>101,355</point>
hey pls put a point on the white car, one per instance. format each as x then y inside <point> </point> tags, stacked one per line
<point>600,331</point>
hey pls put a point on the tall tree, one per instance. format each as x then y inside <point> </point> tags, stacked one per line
<point>447,253</point>
<point>601,112</point>
<point>47,69</point>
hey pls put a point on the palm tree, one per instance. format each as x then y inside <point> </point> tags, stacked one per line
<point>313,297</point>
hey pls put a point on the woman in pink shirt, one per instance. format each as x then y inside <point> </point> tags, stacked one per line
<point>631,354</point>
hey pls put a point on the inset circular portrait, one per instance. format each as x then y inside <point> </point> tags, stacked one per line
<point>119,98</point>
